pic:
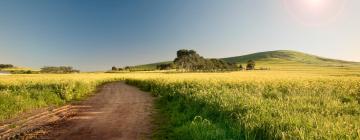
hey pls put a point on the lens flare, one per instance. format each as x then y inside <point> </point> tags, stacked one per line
<point>314,2</point>
<point>314,12</point>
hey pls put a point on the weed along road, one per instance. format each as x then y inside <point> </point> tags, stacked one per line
<point>117,111</point>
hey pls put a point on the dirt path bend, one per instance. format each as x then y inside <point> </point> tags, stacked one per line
<point>118,111</point>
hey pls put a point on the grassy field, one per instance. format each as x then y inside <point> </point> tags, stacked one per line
<point>307,103</point>
<point>256,105</point>
<point>21,93</point>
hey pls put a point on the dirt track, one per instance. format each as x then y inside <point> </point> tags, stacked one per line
<point>116,112</point>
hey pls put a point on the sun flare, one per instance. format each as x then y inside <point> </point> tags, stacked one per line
<point>314,12</point>
<point>314,2</point>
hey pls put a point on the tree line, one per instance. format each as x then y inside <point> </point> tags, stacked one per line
<point>129,68</point>
<point>46,69</point>
<point>4,66</point>
<point>59,70</point>
<point>190,60</point>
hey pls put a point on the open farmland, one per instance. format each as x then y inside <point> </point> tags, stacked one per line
<point>257,105</point>
<point>234,105</point>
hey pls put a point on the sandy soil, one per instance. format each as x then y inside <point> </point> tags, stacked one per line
<point>118,111</point>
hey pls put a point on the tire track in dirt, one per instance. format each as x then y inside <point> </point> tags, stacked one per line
<point>118,111</point>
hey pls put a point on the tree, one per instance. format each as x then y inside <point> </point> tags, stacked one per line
<point>3,66</point>
<point>114,68</point>
<point>250,65</point>
<point>166,66</point>
<point>188,60</point>
<point>58,70</point>
<point>127,68</point>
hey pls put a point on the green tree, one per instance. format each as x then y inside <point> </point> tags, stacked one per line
<point>58,70</point>
<point>114,68</point>
<point>127,68</point>
<point>188,60</point>
<point>250,65</point>
<point>3,66</point>
<point>165,66</point>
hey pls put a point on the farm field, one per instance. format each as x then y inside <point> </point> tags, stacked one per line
<point>320,103</point>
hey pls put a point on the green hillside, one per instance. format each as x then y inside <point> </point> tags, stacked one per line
<point>281,59</point>
<point>286,56</point>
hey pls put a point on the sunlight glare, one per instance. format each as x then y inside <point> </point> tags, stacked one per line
<point>314,12</point>
<point>314,3</point>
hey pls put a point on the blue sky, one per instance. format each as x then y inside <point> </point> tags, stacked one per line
<point>97,34</point>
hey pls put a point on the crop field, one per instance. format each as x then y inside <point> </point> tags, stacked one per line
<point>19,93</point>
<point>324,104</point>
<point>257,105</point>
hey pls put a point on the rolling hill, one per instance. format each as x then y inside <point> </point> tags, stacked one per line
<point>287,55</point>
<point>279,59</point>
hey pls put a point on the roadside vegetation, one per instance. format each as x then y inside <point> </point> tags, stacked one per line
<point>21,93</point>
<point>256,105</point>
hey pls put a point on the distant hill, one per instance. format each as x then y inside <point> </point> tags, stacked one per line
<point>279,58</point>
<point>287,55</point>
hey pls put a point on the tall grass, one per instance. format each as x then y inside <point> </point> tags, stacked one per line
<point>268,108</point>
<point>240,105</point>
<point>20,93</point>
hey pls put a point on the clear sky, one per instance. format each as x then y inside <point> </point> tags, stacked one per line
<point>95,35</point>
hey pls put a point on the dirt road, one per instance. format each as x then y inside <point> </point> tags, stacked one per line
<point>118,111</point>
